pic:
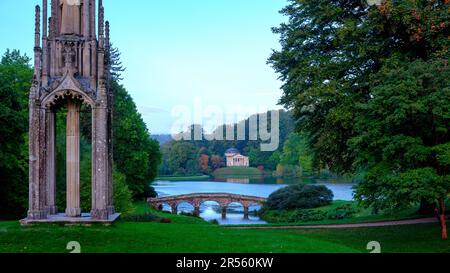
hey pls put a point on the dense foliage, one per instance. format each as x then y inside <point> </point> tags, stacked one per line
<point>370,86</point>
<point>345,211</point>
<point>15,82</point>
<point>299,196</point>
<point>204,157</point>
<point>136,154</point>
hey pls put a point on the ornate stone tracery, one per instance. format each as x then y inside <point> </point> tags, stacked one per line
<point>71,69</point>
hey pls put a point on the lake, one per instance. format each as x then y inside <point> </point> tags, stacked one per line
<point>342,190</point>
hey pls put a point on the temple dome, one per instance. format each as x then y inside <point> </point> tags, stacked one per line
<point>232,151</point>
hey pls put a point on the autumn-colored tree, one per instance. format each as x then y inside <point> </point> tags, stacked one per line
<point>203,163</point>
<point>216,162</point>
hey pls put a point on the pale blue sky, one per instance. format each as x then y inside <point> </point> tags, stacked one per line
<point>178,50</point>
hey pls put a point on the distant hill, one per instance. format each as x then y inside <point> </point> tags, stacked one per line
<point>162,139</point>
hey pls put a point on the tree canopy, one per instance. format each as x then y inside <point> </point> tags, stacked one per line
<point>136,155</point>
<point>369,86</point>
<point>15,82</point>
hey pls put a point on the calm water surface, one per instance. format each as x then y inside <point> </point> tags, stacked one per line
<point>261,187</point>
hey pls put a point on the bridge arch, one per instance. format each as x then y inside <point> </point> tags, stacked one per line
<point>197,199</point>
<point>184,203</point>
<point>164,207</point>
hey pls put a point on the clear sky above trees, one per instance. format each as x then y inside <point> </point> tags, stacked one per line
<point>177,50</point>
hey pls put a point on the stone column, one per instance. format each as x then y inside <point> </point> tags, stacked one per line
<point>73,159</point>
<point>37,187</point>
<point>197,210</point>
<point>51,163</point>
<point>99,164</point>
<point>110,207</point>
<point>174,208</point>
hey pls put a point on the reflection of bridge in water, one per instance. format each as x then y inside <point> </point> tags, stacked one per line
<point>197,199</point>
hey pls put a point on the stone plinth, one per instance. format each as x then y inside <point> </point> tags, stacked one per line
<point>61,218</point>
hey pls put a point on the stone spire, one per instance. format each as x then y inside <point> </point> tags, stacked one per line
<point>37,27</point>
<point>86,20</point>
<point>44,19</point>
<point>107,41</point>
<point>92,22</point>
<point>70,69</point>
<point>37,45</point>
<point>101,24</point>
<point>54,18</point>
<point>45,57</point>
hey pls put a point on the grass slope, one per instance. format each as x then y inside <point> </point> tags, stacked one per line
<point>192,235</point>
<point>237,172</point>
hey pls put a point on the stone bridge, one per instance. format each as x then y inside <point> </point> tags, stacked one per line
<point>197,199</point>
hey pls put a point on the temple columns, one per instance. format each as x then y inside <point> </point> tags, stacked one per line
<point>73,160</point>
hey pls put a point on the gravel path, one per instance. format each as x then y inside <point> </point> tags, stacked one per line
<point>359,225</point>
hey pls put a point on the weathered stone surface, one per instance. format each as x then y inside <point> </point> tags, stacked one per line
<point>61,218</point>
<point>73,159</point>
<point>70,69</point>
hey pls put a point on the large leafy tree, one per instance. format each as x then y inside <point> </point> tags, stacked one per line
<point>15,81</point>
<point>136,154</point>
<point>296,153</point>
<point>369,85</point>
<point>326,59</point>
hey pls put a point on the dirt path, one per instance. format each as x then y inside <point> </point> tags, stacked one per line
<point>359,225</point>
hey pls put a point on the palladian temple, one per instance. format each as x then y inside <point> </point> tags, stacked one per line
<point>71,69</point>
<point>235,159</point>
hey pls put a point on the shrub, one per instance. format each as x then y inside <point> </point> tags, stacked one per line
<point>146,217</point>
<point>189,214</point>
<point>307,216</point>
<point>299,197</point>
<point>214,222</point>
<point>165,220</point>
<point>342,212</point>
<point>122,194</point>
<point>289,171</point>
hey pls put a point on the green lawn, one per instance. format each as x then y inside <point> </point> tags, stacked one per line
<point>192,235</point>
<point>231,172</point>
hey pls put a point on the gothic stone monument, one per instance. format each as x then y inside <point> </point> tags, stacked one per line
<point>70,69</point>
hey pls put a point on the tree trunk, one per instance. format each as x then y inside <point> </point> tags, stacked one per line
<point>443,228</point>
<point>443,220</point>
